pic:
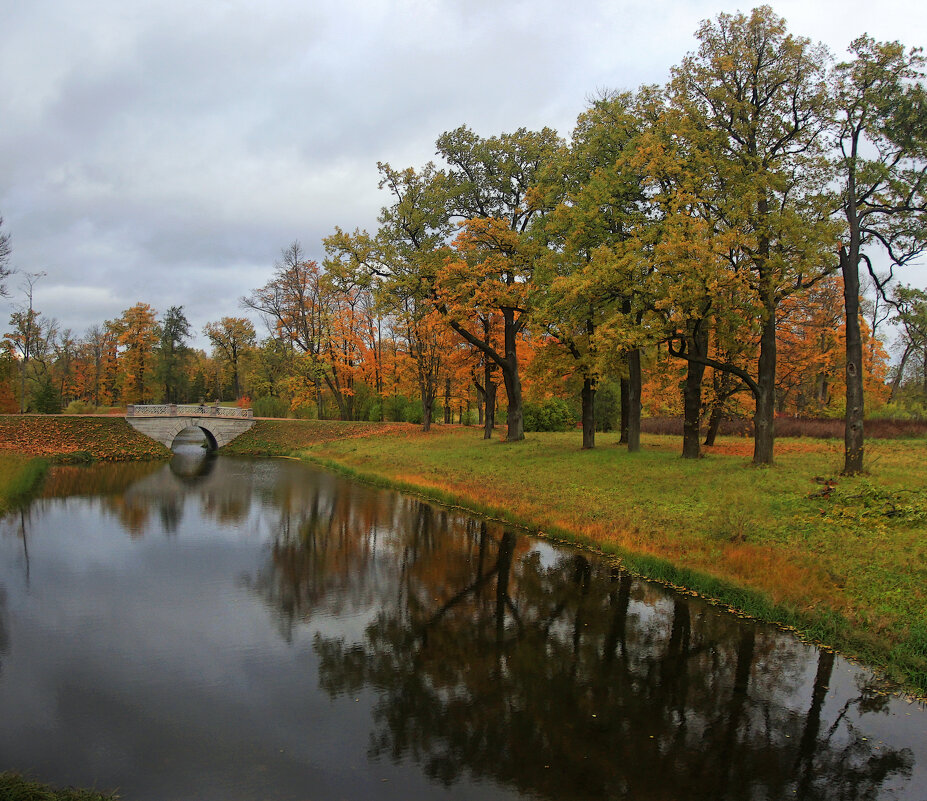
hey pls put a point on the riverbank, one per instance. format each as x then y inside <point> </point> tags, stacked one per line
<point>842,561</point>
<point>30,443</point>
<point>14,787</point>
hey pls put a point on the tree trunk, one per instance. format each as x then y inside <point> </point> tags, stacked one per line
<point>763,419</point>
<point>447,400</point>
<point>634,400</point>
<point>714,422</point>
<point>427,409</point>
<point>515,416</point>
<point>697,343</point>
<point>489,418</point>
<point>588,400</point>
<point>625,406</point>
<point>853,431</point>
<point>480,403</point>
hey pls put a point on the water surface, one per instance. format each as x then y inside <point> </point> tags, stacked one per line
<point>232,629</point>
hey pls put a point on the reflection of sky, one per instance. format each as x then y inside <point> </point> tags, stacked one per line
<point>151,664</point>
<point>147,664</point>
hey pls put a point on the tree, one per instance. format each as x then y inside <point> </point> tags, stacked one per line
<point>911,316</point>
<point>293,303</point>
<point>751,105</point>
<point>30,333</point>
<point>231,337</point>
<point>881,137</point>
<point>399,264</point>
<point>490,182</point>
<point>6,248</point>
<point>137,335</point>
<point>599,200</point>
<point>173,352</point>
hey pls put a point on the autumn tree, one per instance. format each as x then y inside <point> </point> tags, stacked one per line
<point>231,338</point>
<point>751,104</point>
<point>490,180</point>
<point>137,335</point>
<point>600,202</point>
<point>881,136</point>
<point>399,263</point>
<point>294,305</point>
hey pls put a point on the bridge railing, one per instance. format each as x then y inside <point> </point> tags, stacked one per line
<point>186,410</point>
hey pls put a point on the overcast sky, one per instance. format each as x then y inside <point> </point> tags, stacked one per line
<point>166,151</point>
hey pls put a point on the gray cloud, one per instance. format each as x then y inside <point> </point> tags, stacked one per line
<point>167,151</point>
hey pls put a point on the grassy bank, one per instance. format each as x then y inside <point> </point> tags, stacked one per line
<point>30,443</point>
<point>69,438</point>
<point>844,561</point>
<point>14,787</point>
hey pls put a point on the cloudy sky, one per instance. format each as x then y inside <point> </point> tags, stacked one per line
<point>166,151</point>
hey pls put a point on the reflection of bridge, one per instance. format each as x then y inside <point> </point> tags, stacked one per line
<point>163,422</point>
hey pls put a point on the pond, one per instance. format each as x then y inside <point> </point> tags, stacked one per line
<point>222,628</point>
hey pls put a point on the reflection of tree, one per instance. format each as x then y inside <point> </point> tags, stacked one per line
<point>563,680</point>
<point>4,627</point>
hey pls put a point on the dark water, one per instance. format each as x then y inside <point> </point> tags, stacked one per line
<point>232,629</point>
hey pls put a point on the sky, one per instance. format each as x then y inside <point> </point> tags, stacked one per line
<point>166,151</point>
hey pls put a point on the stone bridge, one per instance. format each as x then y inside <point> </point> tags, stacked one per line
<point>163,422</point>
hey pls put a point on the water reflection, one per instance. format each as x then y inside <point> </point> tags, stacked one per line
<point>410,644</point>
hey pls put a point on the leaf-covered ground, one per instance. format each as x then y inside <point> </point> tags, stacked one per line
<point>69,438</point>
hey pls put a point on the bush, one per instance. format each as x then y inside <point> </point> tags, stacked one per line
<point>553,414</point>
<point>307,411</point>
<point>608,406</point>
<point>270,406</point>
<point>80,407</point>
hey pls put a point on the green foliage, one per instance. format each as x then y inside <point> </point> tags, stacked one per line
<point>306,411</point>
<point>553,414</point>
<point>901,409</point>
<point>80,407</point>
<point>270,406</point>
<point>608,406</point>
<point>46,399</point>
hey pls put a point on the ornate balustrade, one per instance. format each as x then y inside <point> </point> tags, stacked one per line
<point>187,410</point>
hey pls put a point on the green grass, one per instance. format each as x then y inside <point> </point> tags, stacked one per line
<point>14,787</point>
<point>844,564</point>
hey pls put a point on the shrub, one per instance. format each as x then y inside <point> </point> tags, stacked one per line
<point>270,406</point>
<point>80,407</point>
<point>607,406</point>
<point>553,414</point>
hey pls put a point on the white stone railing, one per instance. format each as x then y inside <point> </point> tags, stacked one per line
<point>187,410</point>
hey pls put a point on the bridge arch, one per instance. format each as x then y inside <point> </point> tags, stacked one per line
<point>220,425</point>
<point>211,442</point>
